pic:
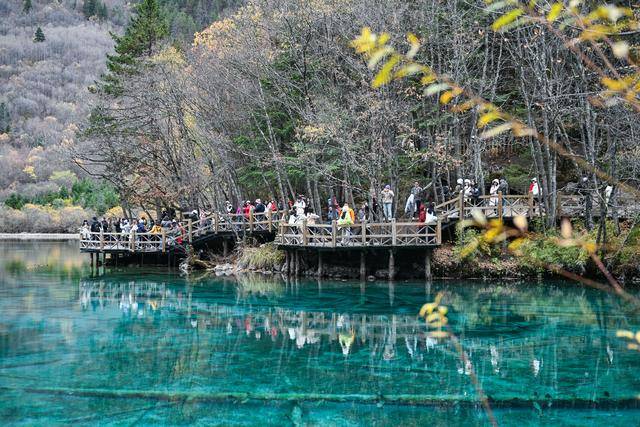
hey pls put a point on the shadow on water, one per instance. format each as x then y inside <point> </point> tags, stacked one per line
<point>148,345</point>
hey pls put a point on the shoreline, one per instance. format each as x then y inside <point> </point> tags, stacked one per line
<point>52,237</point>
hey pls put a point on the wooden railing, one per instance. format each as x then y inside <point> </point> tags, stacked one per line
<point>360,235</point>
<point>132,242</point>
<point>161,242</point>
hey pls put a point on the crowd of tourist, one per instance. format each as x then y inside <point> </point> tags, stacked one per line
<point>418,207</point>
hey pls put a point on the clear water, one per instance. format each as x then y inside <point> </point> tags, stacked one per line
<point>149,347</point>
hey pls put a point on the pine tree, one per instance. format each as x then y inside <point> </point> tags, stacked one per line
<point>39,36</point>
<point>5,119</point>
<point>101,11</point>
<point>89,8</point>
<point>26,6</point>
<point>145,30</point>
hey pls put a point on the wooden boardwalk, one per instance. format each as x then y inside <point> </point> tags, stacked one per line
<point>393,234</point>
<point>197,233</point>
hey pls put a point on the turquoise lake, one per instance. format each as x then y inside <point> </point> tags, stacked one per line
<point>148,346</point>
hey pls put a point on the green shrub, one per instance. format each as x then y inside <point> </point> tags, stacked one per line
<point>16,201</point>
<point>264,257</point>
<point>544,249</point>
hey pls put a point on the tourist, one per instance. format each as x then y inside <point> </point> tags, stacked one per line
<point>203,218</point>
<point>228,207</point>
<point>608,190</point>
<point>387,202</point>
<point>155,228</point>
<point>105,225</point>
<point>459,187</point>
<point>125,226</point>
<point>85,230</point>
<point>117,226</point>
<point>416,191</point>
<point>260,207</point>
<point>431,214</point>
<point>346,220</point>
<point>534,189</point>
<point>410,207</point>
<point>493,192</point>
<point>504,186</point>
<point>300,205</point>
<point>141,227</point>
<point>312,218</point>
<point>475,194</point>
<point>95,225</point>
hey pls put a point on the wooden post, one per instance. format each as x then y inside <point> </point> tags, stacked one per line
<point>250,220</point>
<point>363,224</point>
<point>216,220</point>
<point>101,239</point>
<point>132,241</point>
<point>530,205</point>
<point>392,265</point>
<point>225,248</point>
<point>164,241</point>
<point>500,205</point>
<point>334,233</point>
<point>363,265</point>
<point>427,265</point>
<point>439,232</point>
<point>394,232</point>
<point>320,264</point>
<point>269,220</point>
<point>190,228</point>
<point>305,233</point>
<point>461,206</point>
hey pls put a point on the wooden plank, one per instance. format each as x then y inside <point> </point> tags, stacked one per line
<point>500,205</point>
<point>164,241</point>
<point>190,230</point>
<point>439,232</point>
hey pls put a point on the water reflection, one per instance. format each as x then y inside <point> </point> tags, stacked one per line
<point>552,345</point>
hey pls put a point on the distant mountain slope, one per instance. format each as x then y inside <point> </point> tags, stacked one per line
<point>43,87</point>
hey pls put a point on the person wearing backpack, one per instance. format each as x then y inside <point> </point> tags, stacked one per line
<point>345,221</point>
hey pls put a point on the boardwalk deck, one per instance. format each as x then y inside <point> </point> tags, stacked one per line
<point>391,235</point>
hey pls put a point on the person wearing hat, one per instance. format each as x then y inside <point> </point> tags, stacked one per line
<point>260,207</point>
<point>534,188</point>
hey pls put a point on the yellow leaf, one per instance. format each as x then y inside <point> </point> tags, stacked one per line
<point>409,70</point>
<point>435,88</point>
<point>556,10</point>
<point>506,19</point>
<point>520,222</point>
<point>638,336</point>
<point>590,247</point>
<point>521,131</point>
<point>495,131</point>
<point>624,334</point>
<point>632,346</point>
<point>378,55</point>
<point>487,118</point>
<point>620,49</point>
<point>596,32</point>
<point>383,39</point>
<point>443,310</point>
<point>384,75</point>
<point>428,78</point>
<point>515,245</point>
<point>432,317</point>
<point>415,45</point>
<point>461,108</point>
